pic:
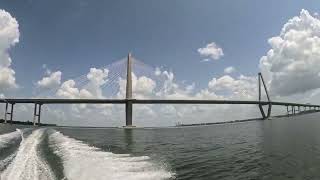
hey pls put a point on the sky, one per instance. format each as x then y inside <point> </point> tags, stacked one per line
<point>216,48</point>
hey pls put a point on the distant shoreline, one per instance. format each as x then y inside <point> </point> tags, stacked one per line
<point>246,120</point>
<point>178,125</point>
<point>25,123</point>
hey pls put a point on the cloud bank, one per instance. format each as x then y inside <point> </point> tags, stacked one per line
<point>292,65</point>
<point>9,36</point>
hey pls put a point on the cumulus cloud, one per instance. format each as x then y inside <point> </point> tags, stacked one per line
<point>96,78</point>
<point>293,62</point>
<point>9,36</point>
<point>229,70</point>
<point>51,81</point>
<point>69,90</point>
<point>211,51</point>
<point>243,87</point>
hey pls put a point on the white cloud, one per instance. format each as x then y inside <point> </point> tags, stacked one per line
<point>9,36</point>
<point>96,78</point>
<point>292,64</point>
<point>243,87</point>
<point>51,81</point>
<point>212,51</point>
<point>229,70</point>
<point>68,90</point>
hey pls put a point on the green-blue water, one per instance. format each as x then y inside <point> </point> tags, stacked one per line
<point>283,148</point>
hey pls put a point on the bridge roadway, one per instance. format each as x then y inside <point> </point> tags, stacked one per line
<point>148,101</point>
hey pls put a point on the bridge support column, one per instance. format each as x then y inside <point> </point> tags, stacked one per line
<point>6,113</point>
<point>37,114</point>
<point>11,113</point>
<point>262,112</point>
<point>129,113</point>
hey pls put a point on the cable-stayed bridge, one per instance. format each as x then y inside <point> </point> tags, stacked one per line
<point>122,70</point>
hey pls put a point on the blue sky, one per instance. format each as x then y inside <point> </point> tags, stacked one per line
<point>167,33</point>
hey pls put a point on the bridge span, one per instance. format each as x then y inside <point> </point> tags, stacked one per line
<point>294,107</point>
<point>129,102</point>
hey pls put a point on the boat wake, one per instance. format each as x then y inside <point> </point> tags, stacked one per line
<point>80,161</point>
<point>28,164</point>
<point>8,143</point>
<point>7,139</point>
<point>84,162</point>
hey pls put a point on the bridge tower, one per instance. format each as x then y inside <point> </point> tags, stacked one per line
<point>263,114</point>
<point>129,92</point>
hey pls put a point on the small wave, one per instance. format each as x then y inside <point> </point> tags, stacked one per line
<point>84,162</point>
<point>6,161</point>
<point>27,163</point>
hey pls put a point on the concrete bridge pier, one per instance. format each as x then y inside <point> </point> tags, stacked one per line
<point>37,114</point>
<point>8,113</point>
<point>129,113</point>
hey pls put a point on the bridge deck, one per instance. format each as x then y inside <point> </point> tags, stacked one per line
<point>147,101</point>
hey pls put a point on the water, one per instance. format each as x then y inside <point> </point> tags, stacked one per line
<point>284,148</point>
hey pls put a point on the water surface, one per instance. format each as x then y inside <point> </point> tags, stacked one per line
<point>283,148</point>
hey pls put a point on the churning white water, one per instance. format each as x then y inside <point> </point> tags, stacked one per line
<point>6,139</point>
<point>28,164</point>
<point>82,162</point>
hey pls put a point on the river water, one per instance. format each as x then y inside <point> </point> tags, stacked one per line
<point>282,148</point>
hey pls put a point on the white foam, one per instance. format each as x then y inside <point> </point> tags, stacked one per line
<point>6,161</point>
<point>5,139</point>
<point>83,162</point>
<point>27,163</point>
